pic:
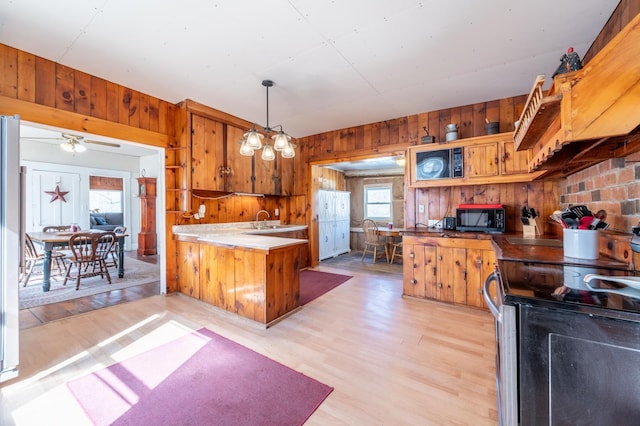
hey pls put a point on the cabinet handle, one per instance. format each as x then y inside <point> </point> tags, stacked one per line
<point>412,255</point>
<point>413,281</point>
<point>505,156</point>
<point>440,285</point>
<point>439,257</point>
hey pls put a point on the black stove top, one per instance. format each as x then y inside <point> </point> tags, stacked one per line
<point>563,286</point>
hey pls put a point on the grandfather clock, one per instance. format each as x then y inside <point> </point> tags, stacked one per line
<point>147,242</point>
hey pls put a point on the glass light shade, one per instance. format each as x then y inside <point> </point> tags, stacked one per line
<point>280,141</point>
<point>254,139</point>
<point>400,161</point>
<point>268,154</point>
<point>288,151</point>
<point>245,149</point>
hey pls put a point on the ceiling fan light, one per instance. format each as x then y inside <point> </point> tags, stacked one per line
<point>67,146</point>
<point>73,146</point>
<point>268,154</point>
<point>280,141</point>
<point>254,139</point>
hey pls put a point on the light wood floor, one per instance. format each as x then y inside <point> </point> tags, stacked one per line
<point>391,360</point>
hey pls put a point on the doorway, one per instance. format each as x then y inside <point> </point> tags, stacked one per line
<point>106,171</point>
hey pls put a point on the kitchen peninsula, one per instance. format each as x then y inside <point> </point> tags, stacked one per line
<point>248,268</point>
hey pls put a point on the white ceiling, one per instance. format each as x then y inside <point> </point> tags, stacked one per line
<point>335,64</point>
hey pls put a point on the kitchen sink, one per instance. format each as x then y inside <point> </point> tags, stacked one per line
<point>271,228</point>
<point>546,242</point>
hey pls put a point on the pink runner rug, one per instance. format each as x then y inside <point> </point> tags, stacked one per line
<point>199,379</point>
<point>314,284</point>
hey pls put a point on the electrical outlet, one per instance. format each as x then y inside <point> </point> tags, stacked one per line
<point>420,208</point>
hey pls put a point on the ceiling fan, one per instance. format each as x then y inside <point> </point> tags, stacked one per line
<point>76,143</point>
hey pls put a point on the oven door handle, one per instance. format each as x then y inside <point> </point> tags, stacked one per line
<point>493,278</point>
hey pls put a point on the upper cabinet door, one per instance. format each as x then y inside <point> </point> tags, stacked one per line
<point>481,160</point>
<point>343,205</point>
<point>264,173</point>
<point>207,153</point>
<point>285,175</point>
<point>512,161</point>
<point>241,167</point>
<point>326,205</point>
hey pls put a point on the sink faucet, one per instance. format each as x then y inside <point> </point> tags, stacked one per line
<point>258,216</point>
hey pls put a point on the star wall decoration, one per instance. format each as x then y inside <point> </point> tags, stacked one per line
<point>57,195</point>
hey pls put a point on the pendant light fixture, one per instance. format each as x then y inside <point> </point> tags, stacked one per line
<point>252,140</point>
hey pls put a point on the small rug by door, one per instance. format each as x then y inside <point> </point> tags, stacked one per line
<point>136,272</point>
<point>199,379</point>
<point>314,284</point>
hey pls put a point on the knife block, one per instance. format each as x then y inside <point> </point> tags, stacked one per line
<point>533,229</point>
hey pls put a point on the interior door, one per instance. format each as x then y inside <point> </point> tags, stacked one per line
<point>53,199</point>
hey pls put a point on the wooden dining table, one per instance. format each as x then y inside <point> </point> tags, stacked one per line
<point>390,233</point>
<point>50,240</point>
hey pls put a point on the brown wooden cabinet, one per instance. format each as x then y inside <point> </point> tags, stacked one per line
<point>216,163</point>
<point>486,159</point>
<point>147,239</point>
<point>449,270</point>
<point>207,154</point>
<point>262,285</point>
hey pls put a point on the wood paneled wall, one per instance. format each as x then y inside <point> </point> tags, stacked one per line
<point>624,12</point>
<point>30,78</point>
<point>291,210</point>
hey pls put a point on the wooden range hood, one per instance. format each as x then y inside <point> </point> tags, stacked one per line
<point>589,115</point>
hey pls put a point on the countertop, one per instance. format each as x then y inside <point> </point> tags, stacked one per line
<point>544,249</point>
<point>240,234</point>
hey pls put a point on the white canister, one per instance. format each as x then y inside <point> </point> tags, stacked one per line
<point>580,243</point>
<point>451,132</point>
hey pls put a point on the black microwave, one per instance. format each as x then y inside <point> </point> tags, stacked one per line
<point>480,218</point>
<point>439,164</point>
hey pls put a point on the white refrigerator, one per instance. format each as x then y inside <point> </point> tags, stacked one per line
<point>11,184</point>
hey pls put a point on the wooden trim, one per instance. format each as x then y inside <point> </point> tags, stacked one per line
<point>215,114</point>
<point>72,121</point>
<point>105,183</point>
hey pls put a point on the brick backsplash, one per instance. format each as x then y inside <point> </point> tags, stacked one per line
<point>613,186</point>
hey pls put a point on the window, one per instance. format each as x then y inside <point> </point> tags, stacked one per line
<point>377,202</point>
<point>105,194</point>
<point>105,201</point>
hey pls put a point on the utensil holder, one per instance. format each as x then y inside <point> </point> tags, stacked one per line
<point>580,243</point>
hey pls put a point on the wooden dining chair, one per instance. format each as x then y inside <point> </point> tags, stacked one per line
<point>112,259</point>
<point>396,251</point>
<point>89,252</point>
<point>372,240</point>
<point>32,258</point>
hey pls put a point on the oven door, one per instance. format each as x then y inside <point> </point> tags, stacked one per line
<point>506,351</point>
